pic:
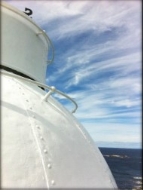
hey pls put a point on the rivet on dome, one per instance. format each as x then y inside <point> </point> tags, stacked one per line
<point>45,151</point>
<point>52,182</point>
<point>49,166</point>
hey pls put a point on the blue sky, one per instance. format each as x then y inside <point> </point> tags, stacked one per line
<point>97,62</point>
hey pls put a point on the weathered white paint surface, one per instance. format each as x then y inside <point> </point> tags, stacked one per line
<point>21,48</point>
<point>43,145</point>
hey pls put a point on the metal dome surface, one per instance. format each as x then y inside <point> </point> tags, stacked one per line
<point>43,145</point>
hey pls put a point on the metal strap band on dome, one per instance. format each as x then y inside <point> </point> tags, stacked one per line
<point>50,88</point>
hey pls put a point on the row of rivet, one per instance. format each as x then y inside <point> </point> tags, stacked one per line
<point>45,151</point>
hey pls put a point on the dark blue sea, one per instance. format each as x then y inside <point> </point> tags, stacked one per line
<point>125,165</point>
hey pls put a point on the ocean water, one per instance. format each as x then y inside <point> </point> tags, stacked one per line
<point>126,166</point>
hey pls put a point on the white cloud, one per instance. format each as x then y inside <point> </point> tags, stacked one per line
<point>89,14</point>
<point>80,66</point>
<point>112,132</point>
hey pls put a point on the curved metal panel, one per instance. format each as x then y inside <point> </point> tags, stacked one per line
<point>21,48</point>
<point>45,139</point>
